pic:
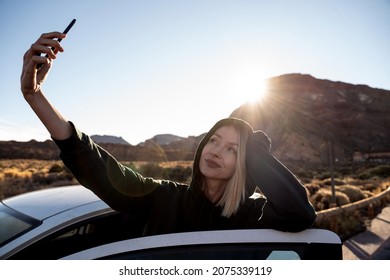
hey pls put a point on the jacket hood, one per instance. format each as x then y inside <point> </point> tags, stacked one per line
<point>263,139</point>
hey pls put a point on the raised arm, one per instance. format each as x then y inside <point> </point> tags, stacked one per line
<point>33,77</point>
<point>288,207</point>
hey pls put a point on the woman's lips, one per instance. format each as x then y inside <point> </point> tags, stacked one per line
<point>212,163</point>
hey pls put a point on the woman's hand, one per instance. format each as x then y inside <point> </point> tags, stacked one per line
<point>35,66</point>
<point>35,69</point>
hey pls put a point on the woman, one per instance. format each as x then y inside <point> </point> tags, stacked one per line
<point>236,182</point>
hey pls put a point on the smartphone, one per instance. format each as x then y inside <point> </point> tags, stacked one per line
<point>68,28</point>
<point>59,39</point>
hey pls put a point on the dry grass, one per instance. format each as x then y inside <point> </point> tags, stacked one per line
<point>164,164</point>
<point>19,176</point>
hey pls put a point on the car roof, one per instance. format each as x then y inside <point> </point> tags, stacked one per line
<point>45,203</point>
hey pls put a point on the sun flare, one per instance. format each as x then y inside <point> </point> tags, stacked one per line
<point>251,86</point>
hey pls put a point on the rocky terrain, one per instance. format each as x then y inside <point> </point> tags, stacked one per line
<point>305,116</point>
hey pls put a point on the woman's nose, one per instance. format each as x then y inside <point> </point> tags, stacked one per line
<point>215,153</point>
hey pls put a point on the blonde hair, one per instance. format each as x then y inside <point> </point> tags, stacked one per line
<point>234,192</point>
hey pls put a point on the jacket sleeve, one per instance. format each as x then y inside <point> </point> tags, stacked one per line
<point>119,186</point>
<point>287,207</point>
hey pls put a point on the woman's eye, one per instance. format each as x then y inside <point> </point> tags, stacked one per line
<point>232,150</point>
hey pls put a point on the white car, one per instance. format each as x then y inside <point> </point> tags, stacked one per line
<point>73,223</point>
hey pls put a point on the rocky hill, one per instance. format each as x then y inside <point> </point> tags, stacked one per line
<point>46,150</point>
<point>101,139</point>
<point>303,116</point>
<point>162,139</point>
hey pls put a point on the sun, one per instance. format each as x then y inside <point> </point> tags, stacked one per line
<point>251,86</point>
<point>260,91</point>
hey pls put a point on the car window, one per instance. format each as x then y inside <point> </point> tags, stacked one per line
<point>242,251</point>
<point>312,244</point>
<point>90,233</point>
<point>13,224</point>
<point>260,251</point>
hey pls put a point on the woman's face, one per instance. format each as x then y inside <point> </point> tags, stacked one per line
<point>219,155</point>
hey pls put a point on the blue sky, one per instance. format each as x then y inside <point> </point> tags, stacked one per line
<point>139,68</point>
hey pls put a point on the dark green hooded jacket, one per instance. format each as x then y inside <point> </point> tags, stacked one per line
<point>166,207</point>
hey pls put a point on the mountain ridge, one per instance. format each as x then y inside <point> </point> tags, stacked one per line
<point>102,139</point>
<point>303,116</point>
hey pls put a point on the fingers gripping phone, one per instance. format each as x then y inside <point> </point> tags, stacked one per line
<point>59,39</point>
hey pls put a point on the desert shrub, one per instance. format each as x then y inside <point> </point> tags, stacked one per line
<point>322,199</point>
<point>56,168</point>
<point>178,173</point>
<point>353,181</point>
<point>382,171</point>
<point>326,175</point>
<point>43,179</point>
<point>370,185</point>
<point>328,182</point>
<point>131,165</point>
<point>368,194</point>
<point>345,170</point>
<point>384,185</point>
<point>375,185</point>
<point>305,180</point>
<point>312,188</point>
<point>354,193</point>
<point>323,175</point>
<point>151,169</point>
<point>344,225</point>
<point>156,170</point>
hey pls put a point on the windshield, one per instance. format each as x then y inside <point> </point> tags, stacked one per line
<point>13,224</point>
